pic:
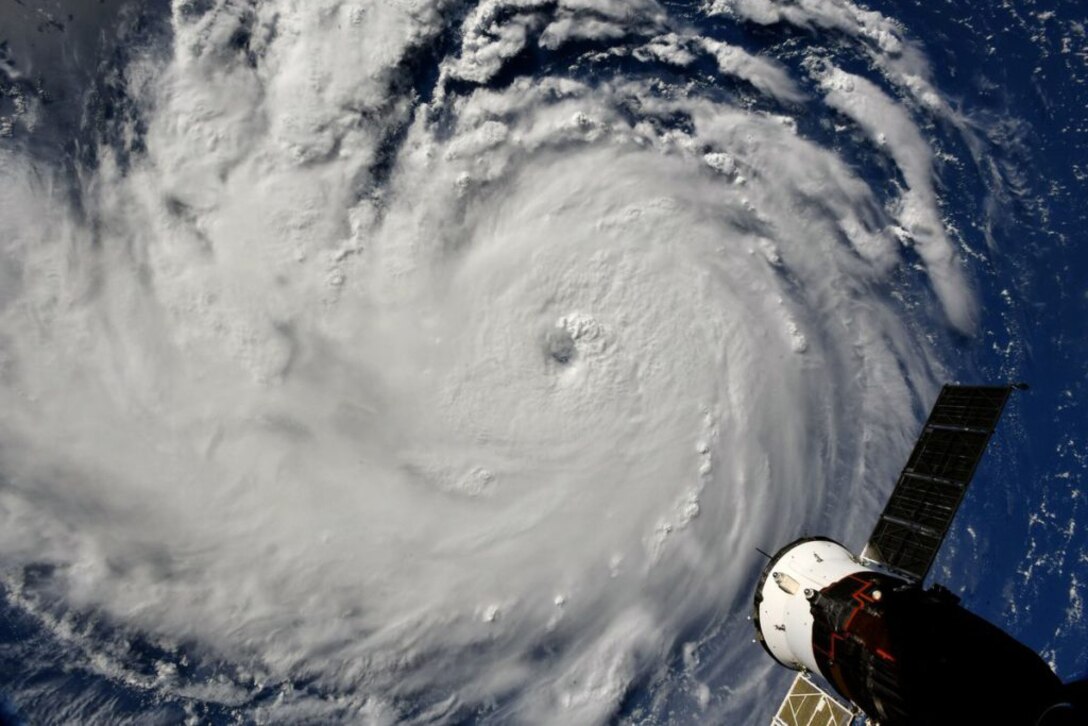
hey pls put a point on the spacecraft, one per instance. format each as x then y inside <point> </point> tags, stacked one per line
<point>897,652</point>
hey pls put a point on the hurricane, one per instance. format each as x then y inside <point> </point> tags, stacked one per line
<point>442,362</point>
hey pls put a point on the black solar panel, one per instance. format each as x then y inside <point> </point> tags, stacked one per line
<point>947,454</point>
<point>969,407</point>
<point>931,487</point>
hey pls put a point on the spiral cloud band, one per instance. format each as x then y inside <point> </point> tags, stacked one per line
<point>414,362</point>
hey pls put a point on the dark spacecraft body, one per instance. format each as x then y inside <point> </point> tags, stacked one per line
<point>902,654</point>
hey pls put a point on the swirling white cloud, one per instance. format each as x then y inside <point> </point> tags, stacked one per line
<point>477,395</point>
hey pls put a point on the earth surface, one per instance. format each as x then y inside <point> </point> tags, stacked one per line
<point>444,362</point>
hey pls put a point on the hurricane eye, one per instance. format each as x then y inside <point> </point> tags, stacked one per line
<point>559,346</point>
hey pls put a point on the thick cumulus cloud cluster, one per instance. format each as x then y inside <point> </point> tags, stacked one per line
<point>416,363</point>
